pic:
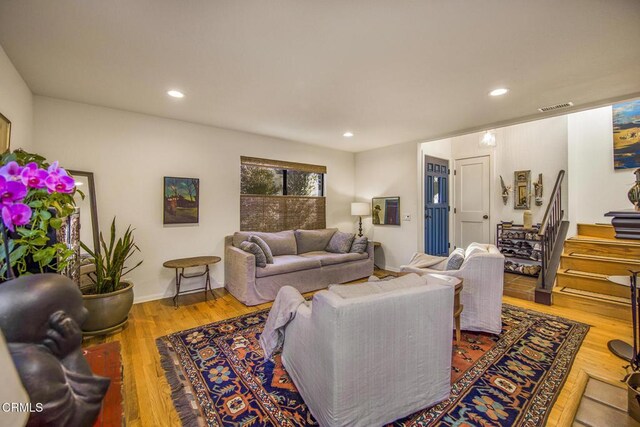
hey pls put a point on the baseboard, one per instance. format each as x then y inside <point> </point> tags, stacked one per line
<point>163,295</point>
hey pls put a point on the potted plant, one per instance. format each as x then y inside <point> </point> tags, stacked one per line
<point>109,297</point>
<point>35,199</point>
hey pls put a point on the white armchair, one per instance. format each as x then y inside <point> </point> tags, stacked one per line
<point>483,279</point>
<point>371,359</point>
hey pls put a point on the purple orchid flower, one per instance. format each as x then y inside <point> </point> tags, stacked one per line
<point>11,171</point>
<point>54,169</point>
<point>11,191</point>
<point>60,183</point>
<point>33,176</point>
<point>16,214</point>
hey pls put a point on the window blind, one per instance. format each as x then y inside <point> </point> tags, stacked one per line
<point>260,212</point>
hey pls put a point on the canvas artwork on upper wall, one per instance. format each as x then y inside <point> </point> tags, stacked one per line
<point>181,200</point>
<point>626,135</point>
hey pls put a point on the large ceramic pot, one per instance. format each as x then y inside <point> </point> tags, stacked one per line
<point>108,312</point>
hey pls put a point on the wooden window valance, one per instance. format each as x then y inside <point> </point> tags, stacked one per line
<point>279,164</point>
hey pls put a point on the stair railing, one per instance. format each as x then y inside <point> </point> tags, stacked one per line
<point>549,230</point>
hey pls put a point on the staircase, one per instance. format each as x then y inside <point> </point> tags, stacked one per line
<point>586,261</point>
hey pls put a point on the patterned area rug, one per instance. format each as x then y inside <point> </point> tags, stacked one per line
<point>218,376</point>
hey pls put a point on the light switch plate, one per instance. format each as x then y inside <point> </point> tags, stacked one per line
<point>406,218</point>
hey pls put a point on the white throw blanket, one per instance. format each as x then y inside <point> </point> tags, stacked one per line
<point>282,312</point>
<point>422,260</point>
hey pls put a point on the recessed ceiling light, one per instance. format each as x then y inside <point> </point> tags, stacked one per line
<point>499,91</point>
<point>347,134</point>
<point>175,94</point>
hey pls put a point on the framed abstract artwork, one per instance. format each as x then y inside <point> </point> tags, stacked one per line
<point>626,135</point>
<point>385,210</point>
<point>181,200</point>
<point>5,134</point>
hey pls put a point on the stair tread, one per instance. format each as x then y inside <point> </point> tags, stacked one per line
<point>593,295</point>
<point>600,258</point>
<point>597,240</point>
<point>580,273</point>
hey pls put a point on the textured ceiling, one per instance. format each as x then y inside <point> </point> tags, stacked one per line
<point>390,71</point>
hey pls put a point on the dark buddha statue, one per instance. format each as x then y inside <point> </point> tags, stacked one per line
<point>40,316</point>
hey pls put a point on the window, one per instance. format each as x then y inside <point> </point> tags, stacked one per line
<point>277,195</point>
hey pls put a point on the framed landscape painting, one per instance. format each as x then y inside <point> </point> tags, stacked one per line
<point>626,135</point>
<point>5,134</point>
<point>181,200</point>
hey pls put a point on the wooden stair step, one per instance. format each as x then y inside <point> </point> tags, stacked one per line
<point>593,302</point>
<point>578,245</point>
<point>609,266</point>
<point>597,230</point>
<point>590,282</point>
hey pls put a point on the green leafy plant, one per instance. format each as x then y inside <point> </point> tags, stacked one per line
<point>36,198</point>
<point>110,262</point>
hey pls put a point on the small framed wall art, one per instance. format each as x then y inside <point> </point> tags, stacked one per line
<point>5,134</point>
<point>181,200</point>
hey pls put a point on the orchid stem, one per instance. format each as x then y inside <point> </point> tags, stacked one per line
<point>7,255</point>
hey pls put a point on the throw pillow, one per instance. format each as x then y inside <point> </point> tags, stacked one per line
<point>263,245</point>
<point>359,245</point>
<point>455,260</point>
<point>340,242</point>
<point>252,248</point>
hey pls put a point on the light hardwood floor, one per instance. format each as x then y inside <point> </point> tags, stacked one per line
<point>148,396</point>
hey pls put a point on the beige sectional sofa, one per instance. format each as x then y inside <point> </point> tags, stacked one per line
<point>299,260</point>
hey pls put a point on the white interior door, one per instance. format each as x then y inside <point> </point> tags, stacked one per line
<point>472,201</point>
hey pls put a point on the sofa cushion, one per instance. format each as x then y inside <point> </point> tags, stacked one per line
<point>263,245</point>
<point>340,242</point>
<point>280,243</point>
<point>283,264</point>
<point>328,258</point>
<point>455,259</point>
<point>379,287</point>
<point>359,245</point>
<point>254,249</point>
<point>313,240</point>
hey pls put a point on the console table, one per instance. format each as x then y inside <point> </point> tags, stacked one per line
<point>182,263</point>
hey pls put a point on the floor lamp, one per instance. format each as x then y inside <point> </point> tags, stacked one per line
<point>360,209</point>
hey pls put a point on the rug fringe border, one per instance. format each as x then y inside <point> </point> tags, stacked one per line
<point>179,391</point>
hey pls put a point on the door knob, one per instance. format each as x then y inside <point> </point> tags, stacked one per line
<point>485,216</point>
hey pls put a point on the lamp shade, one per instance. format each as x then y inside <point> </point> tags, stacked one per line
<point>360,209</point>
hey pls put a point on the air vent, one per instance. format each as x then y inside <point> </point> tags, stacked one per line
<point>555,107</point>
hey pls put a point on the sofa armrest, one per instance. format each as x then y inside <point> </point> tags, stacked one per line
<point>370,250</point>
<point>239,270</point>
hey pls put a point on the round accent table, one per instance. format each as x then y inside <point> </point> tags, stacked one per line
<point>182,263</point>
<point>618,347</point>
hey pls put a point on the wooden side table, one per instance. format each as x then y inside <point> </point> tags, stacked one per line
<point>182,263</point>
<point>376,245</point>
<point>457,307</point>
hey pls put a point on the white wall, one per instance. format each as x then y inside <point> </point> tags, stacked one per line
<point>130,154</point>
<point>391,171</point>
<point>595,187</point>
<point>16,103</point>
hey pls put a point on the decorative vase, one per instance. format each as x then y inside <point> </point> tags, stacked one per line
<point>634,192</point>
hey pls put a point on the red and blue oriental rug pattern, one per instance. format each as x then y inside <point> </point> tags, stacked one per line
<point>218,376</point>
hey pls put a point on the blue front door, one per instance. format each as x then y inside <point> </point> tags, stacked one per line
<point>436,206</point>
